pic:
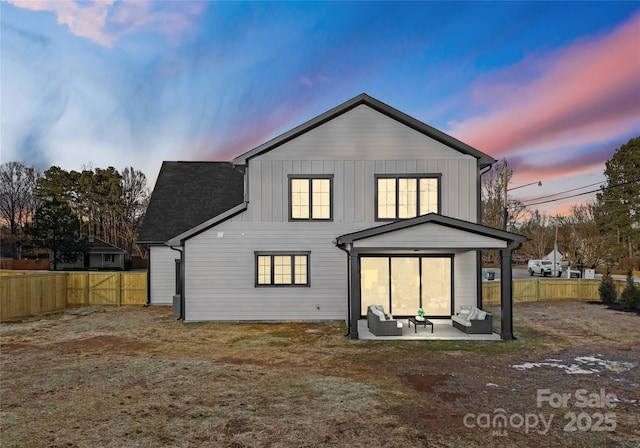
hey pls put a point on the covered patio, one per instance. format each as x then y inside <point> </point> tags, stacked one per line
<point>430,262</point>
<point>443,330</point>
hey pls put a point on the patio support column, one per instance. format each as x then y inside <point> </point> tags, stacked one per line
<point>506,295</point>
<point>355,294</point>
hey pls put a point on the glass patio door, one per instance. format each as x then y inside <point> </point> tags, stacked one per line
<point>404,284</point>
<point>436,286</point>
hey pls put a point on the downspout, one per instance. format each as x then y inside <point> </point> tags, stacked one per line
<point>181,316</point>
<point>342,247</point>
<point>148,246</point>
<point>479,298</point>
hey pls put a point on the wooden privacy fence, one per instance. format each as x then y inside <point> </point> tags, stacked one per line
<point>28,293</point>
<point>547,290</point>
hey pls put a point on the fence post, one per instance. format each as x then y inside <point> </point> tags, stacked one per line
<point>579,288</point>
<point>537,290</point>
<point>119,288</point>
<point>86,289</point>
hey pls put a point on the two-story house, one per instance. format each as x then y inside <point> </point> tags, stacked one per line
<point>361,205</point>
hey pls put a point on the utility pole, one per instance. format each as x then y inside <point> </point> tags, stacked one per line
<point>504,184</point>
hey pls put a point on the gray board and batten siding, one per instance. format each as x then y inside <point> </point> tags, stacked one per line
<point>354,147</point>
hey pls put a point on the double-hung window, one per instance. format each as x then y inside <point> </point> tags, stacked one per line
<point>310,198</point>
<point>406,196</point>
<point>282,269</point>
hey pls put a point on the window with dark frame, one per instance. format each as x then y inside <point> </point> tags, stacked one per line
<point>310,198</point>
<point>109,258</point>
<point>282,269</point>
<point>406,196</point>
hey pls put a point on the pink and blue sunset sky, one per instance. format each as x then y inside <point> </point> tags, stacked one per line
<point>553,87</point>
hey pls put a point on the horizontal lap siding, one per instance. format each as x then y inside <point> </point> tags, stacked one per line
<point>162,277</point>
<point>354,148</point>
<point>465,280</point>
<point>220,282</point>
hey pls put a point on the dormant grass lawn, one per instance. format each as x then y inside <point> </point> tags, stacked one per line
<point>136,377</point>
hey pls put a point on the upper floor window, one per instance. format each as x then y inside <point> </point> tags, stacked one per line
<point>310,198</point>
<point>406,196</point>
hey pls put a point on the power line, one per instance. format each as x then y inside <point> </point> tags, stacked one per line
<point>562,192</point>
<point>586,192</point>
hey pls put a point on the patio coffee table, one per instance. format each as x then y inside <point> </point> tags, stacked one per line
<point>418,320</point>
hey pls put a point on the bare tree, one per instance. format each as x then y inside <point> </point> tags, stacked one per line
<point>493,198</point>
<point>540,236</point>
<point>580,236</point>
<point>135,196</point>
<point>17,201</point>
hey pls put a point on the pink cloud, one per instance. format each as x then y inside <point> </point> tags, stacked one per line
<point>105,21</point>
<point>248,135</point>
<point>584,93</point>
<point>85,21</point>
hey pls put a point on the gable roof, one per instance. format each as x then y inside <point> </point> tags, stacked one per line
<point>187,194</point>
<point>483,159</point>
<point>431,218</point>
<point>98,246</point>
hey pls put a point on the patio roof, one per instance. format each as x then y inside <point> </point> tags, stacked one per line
<point>433,218</point>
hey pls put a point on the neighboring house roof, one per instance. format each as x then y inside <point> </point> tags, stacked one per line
<point>431,218</point>
<point>187,194</point>
<point>484,159</point>
<point>97,246</point>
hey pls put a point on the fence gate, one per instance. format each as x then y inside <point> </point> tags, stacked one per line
<point>94,288</point>
<point>104,288</point>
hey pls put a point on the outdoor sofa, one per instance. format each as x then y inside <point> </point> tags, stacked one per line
<point>472,320</point>
<point>381,324</point>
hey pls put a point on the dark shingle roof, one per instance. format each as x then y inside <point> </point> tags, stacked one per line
<point>187,194</point>
<point>98,246</point>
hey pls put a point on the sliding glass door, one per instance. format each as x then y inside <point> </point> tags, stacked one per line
<point>402,284</point>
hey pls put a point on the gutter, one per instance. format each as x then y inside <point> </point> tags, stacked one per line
<point>148,303</point>
<point>181,316</point>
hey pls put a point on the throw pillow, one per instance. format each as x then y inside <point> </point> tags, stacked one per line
<point>474,314</point>
<point>481,315</point>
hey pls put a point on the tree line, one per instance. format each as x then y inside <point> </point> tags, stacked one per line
<point>605,231</point>
<point>58,209</point>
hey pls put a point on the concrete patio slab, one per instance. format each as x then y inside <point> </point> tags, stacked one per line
<point>443,330</point>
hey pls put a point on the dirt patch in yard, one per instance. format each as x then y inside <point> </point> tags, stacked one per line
<point>133,376</point>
